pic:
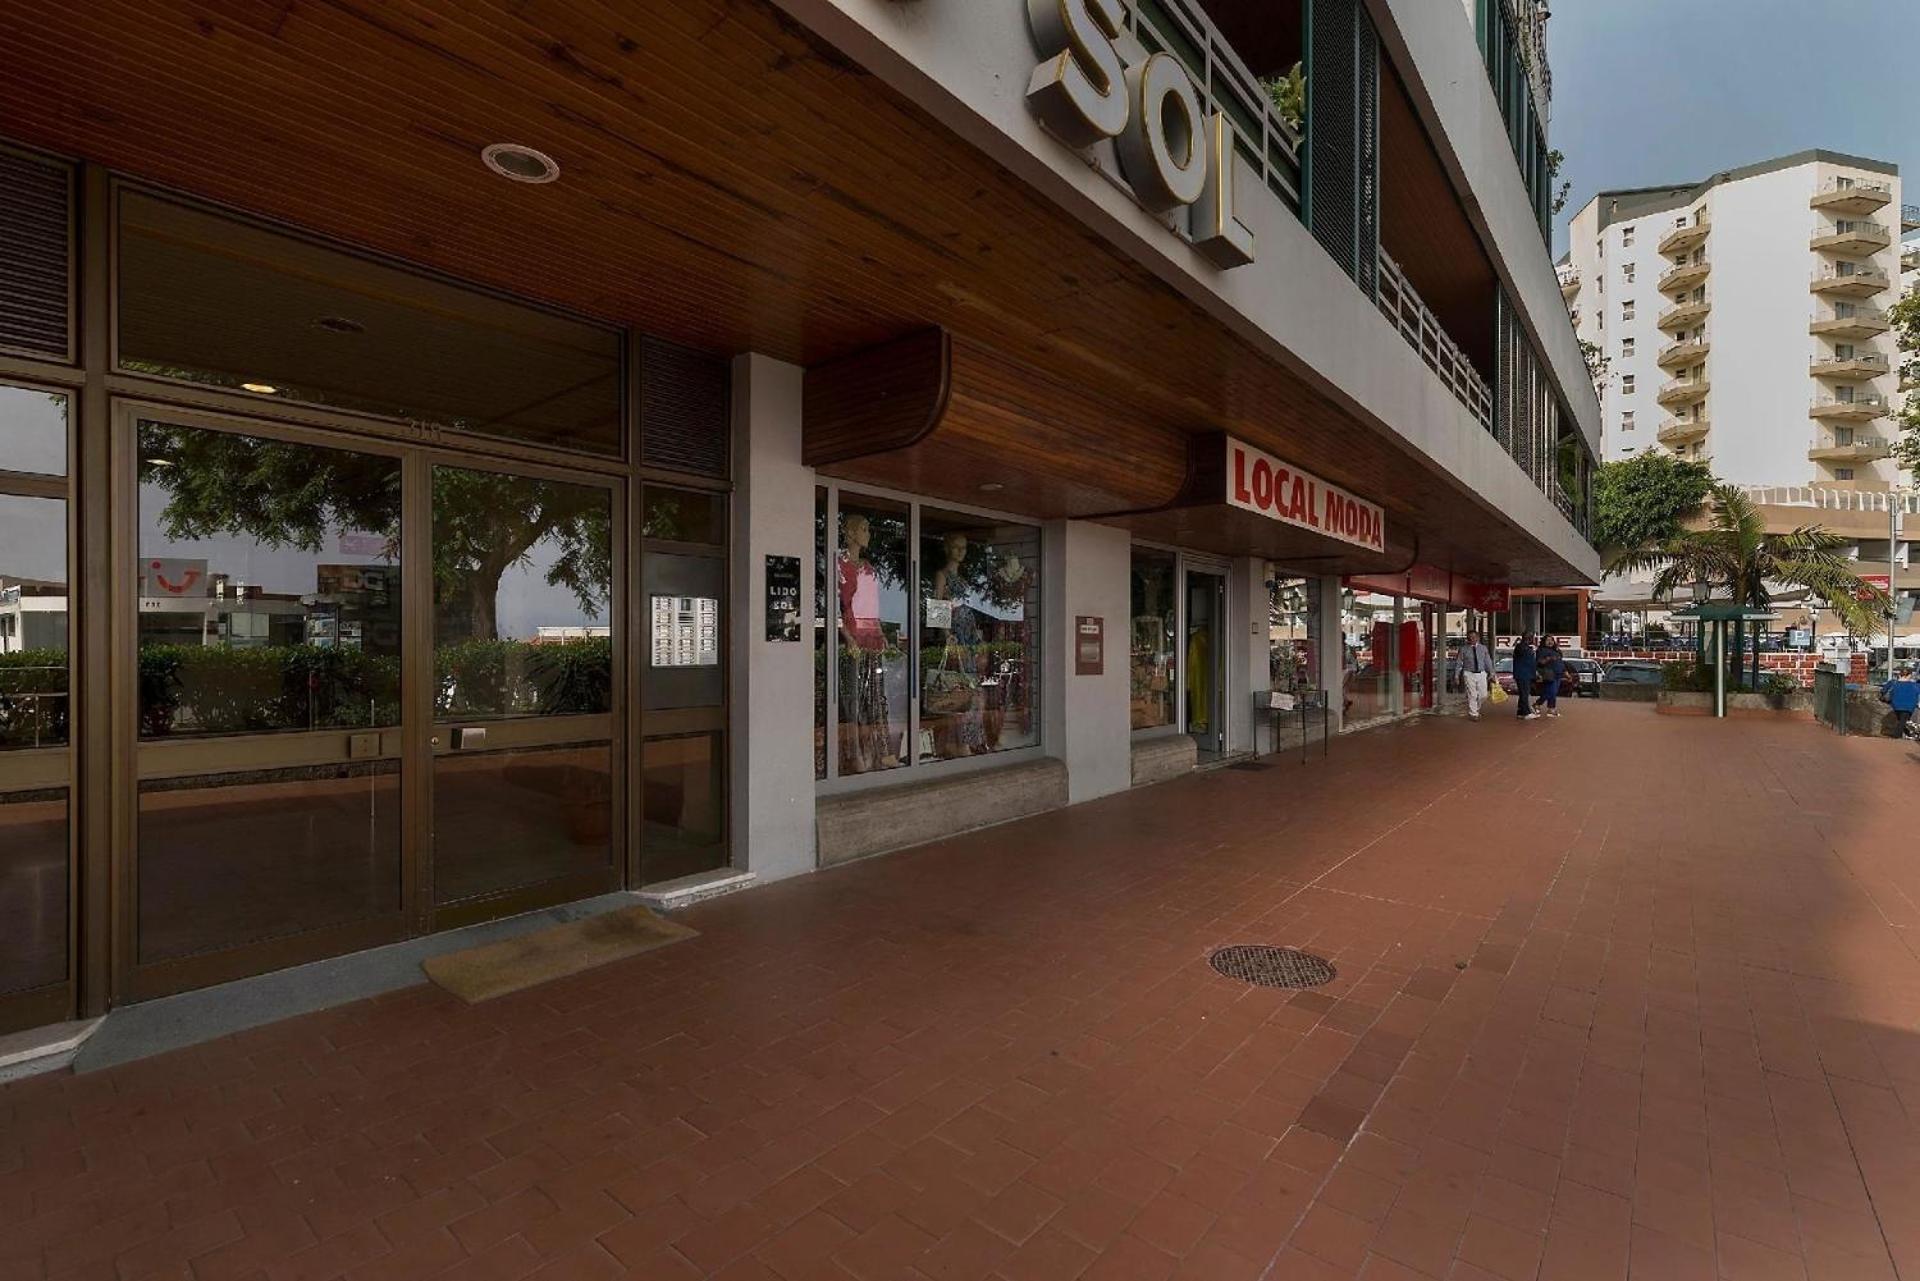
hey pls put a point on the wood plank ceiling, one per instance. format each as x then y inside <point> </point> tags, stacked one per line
<point>728,181</point>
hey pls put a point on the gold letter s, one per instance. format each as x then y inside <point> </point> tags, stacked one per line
<point>1079,91</point>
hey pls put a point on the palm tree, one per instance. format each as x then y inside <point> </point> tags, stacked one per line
<point>1734,554</point>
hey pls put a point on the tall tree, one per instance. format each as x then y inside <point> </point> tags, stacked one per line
<point>1905,316</point>
<point>1643,501</point>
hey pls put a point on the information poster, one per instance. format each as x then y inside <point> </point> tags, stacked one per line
<point>783,598</point>
<point>686,631</point>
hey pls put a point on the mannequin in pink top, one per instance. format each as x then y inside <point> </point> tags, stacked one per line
<point>866,734</point>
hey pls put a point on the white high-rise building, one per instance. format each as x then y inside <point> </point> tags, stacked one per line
<point>1743,318</point>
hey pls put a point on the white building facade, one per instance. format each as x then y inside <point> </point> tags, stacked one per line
<point>1743,318</point>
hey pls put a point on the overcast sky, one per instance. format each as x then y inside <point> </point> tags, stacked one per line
<point>1649,92</point>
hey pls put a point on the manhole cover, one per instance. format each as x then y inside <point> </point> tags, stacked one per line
<point>1265,966</point>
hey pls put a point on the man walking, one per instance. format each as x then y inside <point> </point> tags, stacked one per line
<point>1902,694</point>
<point>1476,669</point>
<point>1523,673</point>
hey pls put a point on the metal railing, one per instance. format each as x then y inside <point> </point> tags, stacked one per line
<point>1853,311</point>
<point>1832,185</point>
<point>1409,313</point>
<point>1675,348</point>
<point>1864,274</point>
<point>1875,402</point>
<point>1864,228</point>
<point>1865,442</point>
<point>1873,359</point>
<point>1821,497</point>
<point>1182,29</point>
<point>1830,697</point>
<point>1688,385</point>
<point>1910,215</point>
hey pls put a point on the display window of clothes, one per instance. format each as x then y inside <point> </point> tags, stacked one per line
<point>870,580</point>
<point>978,658</point>
<point>1151,654</point>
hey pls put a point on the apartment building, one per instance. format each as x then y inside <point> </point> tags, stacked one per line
<point>486,457</point>
<point>1743,317</point>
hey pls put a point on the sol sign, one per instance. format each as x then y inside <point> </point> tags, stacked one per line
<point>1173,154</point>
<point>1259,482</point>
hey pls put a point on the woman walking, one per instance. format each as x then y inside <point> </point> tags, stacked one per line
<point>1552,668</point>
<point>1524,667</point>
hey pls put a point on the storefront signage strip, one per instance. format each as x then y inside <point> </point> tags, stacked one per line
<point>1259,482</point>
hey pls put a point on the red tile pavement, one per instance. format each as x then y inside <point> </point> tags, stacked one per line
<point>1618,995</point>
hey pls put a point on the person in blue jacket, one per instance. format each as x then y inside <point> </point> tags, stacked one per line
<point>1902,694</point>
<point>1553,668</point>
<point>1524,668</point>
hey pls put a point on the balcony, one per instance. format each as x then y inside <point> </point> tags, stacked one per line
<point>1406,311</point>
<point>1850,280</point>
<point>1569,281</point>
<point>1849,320</point>
<point>1910,217</point>
<point>1682,391</point>
<point>1684,275</point>
<point>1910,259</point>
<point>1676,432</point>
<point>1858,409</point>
<point>1864,364</point>
<point>1847,446</point>
<point>1682,314</point>
<point>1850,236</point>
<point>1685,236</point>
<point>1684,352</point>
<point>1851,196</point>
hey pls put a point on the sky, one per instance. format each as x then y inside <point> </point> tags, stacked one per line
<point>1653,92</point>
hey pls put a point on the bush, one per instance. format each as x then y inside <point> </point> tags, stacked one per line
<point>33,709</point>
<point>214,689</point>
<point>1686,677</point>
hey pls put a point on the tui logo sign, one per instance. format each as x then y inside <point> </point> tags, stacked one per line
<point>165,578</point>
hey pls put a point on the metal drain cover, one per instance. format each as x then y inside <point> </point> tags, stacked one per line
<point>1265,966</point>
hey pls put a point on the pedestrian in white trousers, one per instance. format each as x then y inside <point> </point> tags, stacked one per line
<point>1476,669</point>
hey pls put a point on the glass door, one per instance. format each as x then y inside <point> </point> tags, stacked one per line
<point>36,871</point>
<point>263,685</point>
<point>1205,702</point>
<point>524,808</point>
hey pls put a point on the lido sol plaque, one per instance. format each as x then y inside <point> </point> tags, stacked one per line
<point>783,598</point>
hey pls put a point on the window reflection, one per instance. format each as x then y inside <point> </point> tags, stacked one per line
<point>1293,626</point>
<point>1370,647</point>
<point>522,581</point>
<point>979,587</point>
<point>33,431</point>
<point>33,889</point>
<point>1151,665</point>
<point>268,585</point>
<point>33,622</point>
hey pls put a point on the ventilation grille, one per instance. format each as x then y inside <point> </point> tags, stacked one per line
<point>683,410</point>
<point>1332,131</point>
<point>36,257</point>
<point>1366,80</point>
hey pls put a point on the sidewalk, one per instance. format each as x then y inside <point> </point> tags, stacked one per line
<point>1618,995</point>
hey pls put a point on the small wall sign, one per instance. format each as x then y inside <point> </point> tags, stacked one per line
<point>1089,645</point>
<point>783,598</point>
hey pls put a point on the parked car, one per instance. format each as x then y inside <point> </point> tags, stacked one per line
<point>1632,671</point>
<point>1586,676</point>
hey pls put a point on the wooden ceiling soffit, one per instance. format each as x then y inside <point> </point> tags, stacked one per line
<point>942,416</point>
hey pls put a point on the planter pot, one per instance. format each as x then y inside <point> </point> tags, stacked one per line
<point>1795,706</point>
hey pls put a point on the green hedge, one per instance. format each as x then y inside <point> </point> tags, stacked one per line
<point>27,718</point>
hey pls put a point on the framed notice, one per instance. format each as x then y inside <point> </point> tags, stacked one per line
<point>1089,645</point>
<point>685,631</point>
<point>783,598</point>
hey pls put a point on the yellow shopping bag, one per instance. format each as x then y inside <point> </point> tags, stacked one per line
<point>1497,694</point>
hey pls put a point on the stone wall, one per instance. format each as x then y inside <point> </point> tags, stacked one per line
<point>1797,665</point>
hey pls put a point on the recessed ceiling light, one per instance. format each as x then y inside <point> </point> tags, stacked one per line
<point>339,325</point>
<point>265,389</point>
<point>522,164</point>
<point>992,487</point>
<point>159,462</point>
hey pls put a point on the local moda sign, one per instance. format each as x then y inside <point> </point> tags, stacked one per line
<point>1095,83</point>
<point>1259,482</point>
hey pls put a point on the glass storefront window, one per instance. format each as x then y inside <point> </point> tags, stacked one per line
<point>871,589</point>
<point>1369,654</point>
<point>268,585</point>
<point>222,302</point>
<point>921,659</point>
<point>978,661</point>
<point>33,621</point>
<point>33,432</point>
<point>1152,629</point>
<point>1293,634</point>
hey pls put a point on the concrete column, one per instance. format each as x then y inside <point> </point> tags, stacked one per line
<point>772,697</point>
<point>1333,651</point>
<point>1250,670</point>
<point>1087,722</point>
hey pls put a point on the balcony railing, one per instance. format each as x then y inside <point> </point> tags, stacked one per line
<point>1910,217</point>
<point>1850,447</point>
<point>1183,29</point>
<point>1683,275</point>
<point>1687,233</point>
<point>1569,279</point>
<point>1861,406</point>
<point>1845,233</point>
<point>1853,195</point>
<point>1409,313</point>
<point>1686,349</point>
<point>1859,282</point>
<point>1862,364</point>
<point>1850,319</point>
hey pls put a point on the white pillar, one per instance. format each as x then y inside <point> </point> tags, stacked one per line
<point>1249,672</point>
<point>1333,652</point>
<point>771,723</point>
<point>1088,723</point>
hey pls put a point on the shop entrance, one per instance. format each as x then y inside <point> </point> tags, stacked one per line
<point>1205,699</point>
<point>374,692</point>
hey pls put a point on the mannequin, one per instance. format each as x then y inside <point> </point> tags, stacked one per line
<point>960,733</point>
<point>865,730</point>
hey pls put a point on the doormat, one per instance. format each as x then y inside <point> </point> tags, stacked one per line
<point>495,969</point>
